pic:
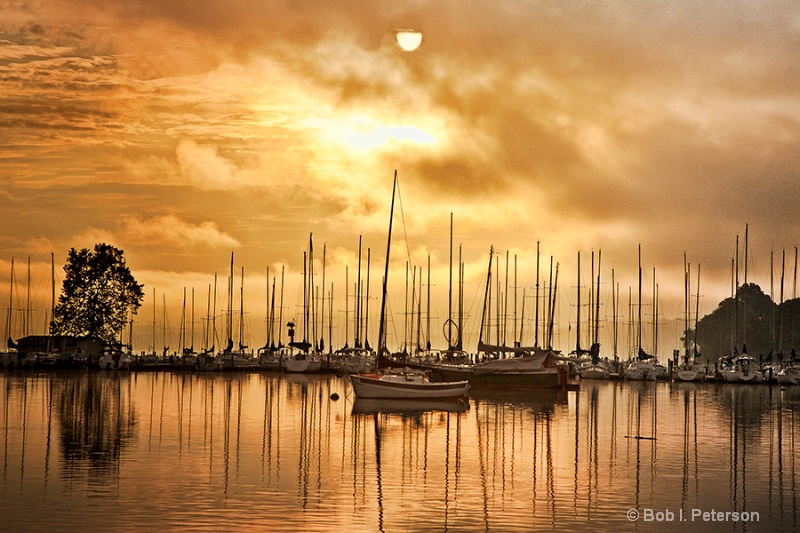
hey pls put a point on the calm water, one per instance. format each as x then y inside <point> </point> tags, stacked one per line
<point>269,452</point>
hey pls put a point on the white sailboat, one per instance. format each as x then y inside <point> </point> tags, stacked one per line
<point>690,369</point>
<point>595,368</point>
<point>305,360</point>
<point>401,384</point>
<point>643,367</point>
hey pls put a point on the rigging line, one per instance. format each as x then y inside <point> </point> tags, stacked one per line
<point>403,220</point>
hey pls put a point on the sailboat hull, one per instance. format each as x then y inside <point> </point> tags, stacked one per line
<point>543,379</point>
<point>377,388</point>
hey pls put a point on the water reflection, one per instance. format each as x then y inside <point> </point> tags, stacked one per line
<point>275,452</point>
<point>97,422</point>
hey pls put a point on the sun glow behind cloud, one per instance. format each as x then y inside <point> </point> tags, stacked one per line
<point>365,134</point>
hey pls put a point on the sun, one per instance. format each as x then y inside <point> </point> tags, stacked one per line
<point>408,40</point>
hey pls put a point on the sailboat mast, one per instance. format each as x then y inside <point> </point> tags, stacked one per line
<point>164,323</point>
<point>746,242</point>
<point>780,307</point>
<point>499,299</point>
<point>460,342</point>
<point>536,303</point>
<point>505,303</point>
<point>521,318</point>
<point>26,328</point>
<point>182,334</point>
<point>154,320</point>
<point>413,306</point>
<point>428,309</point>
<point>381,326</point>
<point>322,300</point>
<point>736,298</point>
<point>229,325</point>
<point>514,327</point>
<point>686,306</point>
<point>366,305</point>
<point>614,306</point>
<point>191,345</point>
<point>419,313</point>
<point>405,316</point>
<point>213,317</point>
<point>280,310</point>
<point>269,314</point>
<point>655,314</point>
<point>578,322</point>
<point>596,339</point>
<point>639,310</point>
<point>52,287</point>
<point>553,310</point>
<point>549,309</point>
<point>271,331</point>
<point>590,322</point>
<point>450,292</point>
<point>241,313</point>
<point>10,321</point>
<point>311,318</point>
<point>330,321</point>
<point>358,298</point>
<point>486,306</point>
<point>53,299</point>
<point>696,312</point>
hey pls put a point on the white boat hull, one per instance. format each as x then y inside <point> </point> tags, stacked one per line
<point>593,372</point>
<point>640,372</point>
<point>108,362</point>
<point>690,373</point>
<point>380,388</point>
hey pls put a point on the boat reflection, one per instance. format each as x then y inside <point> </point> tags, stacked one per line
<point>366,406</point>
<point>536,401</point>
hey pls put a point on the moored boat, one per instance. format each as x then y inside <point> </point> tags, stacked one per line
<point>394,383</point>
<point>789,375</point>
<point>537,370</point>
<point>304,363</point>
<point>742,369</point>
<point>690,372</point>
<point>406,386</point>
<point>593,371</point>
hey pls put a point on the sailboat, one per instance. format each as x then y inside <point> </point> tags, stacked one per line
<point>741,367</point>
<point>593,369</point>
<point>690,369</point>
<point>643,367</point>
<point>306,360</point>
<point>401,384</point>
<point>526,369</point>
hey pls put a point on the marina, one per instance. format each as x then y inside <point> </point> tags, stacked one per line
<point>399,266</point>
<point>289,452</point>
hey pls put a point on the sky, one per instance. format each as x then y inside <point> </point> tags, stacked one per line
<point>184,132</point>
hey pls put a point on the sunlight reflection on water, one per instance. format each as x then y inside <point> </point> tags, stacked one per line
<point>210,452</point>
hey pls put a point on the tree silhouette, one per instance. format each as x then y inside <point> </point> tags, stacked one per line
<point>97,294</point>
<point>750,321</point>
